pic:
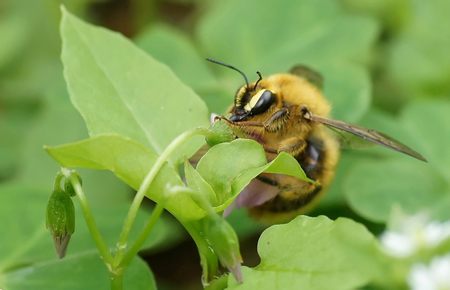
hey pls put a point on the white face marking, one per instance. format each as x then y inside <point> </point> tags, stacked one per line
<point>249,106</point>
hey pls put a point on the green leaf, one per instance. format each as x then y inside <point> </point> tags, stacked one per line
<point>119,89</point>
<point>130,161</point>
<point>72,272</point>
<point>313,253</point>
<point>225,161</point>
<point>282,164</point>
<point>229,167</point>
<point>279,36</point>
<point>373,187</point>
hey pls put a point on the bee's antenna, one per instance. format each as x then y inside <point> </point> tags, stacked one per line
<point>230,66</point>
<point>257,82</point>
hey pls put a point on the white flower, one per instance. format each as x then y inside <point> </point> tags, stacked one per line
<point>435,276</point>
<point>413,233</point>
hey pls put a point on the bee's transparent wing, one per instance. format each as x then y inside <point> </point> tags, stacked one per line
<point>365,134</point>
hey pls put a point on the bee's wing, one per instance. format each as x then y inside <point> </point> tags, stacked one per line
<point>368,135</point>
<point>309,74</point>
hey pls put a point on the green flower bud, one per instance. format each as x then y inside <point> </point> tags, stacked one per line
<point>224,241</point>
<point>60,220</point>
<point>220,132</point>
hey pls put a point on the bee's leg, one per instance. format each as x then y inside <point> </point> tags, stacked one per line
<point>294,146</point>
<point>277,120</point>
<point>273,124</point>
<point>241,123</point>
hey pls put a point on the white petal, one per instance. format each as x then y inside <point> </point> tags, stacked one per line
<point>397,244</point>
<point>420,278</point>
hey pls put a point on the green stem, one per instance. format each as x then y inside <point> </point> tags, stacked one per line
<point>90,222</point>
<point>116,280</point>
<point>134,249</point>
<point>162,159</point>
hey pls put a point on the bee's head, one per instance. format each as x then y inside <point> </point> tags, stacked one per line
<point>249,101</point>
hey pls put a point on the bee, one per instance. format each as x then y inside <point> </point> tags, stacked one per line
<point>287,112</point>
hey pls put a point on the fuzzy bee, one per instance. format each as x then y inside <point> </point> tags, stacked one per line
<point>287,112</point>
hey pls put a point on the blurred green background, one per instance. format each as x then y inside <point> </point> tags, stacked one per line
<point>386,65</point>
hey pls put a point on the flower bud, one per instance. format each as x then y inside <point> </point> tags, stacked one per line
<point>219,132</point>
<point>60,220</point>
<point>224,241</point>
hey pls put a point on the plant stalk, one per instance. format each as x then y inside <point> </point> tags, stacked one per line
<point>90,222</point>
<point>116,280</point>
<point>162,159</point>
<point>134,249</point>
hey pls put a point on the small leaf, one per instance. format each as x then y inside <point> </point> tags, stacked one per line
<point>229,167</point>
<point>224,162</point>
<point>313,254</point>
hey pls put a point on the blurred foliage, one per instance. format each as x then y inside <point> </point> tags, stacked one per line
<point>385,65</point>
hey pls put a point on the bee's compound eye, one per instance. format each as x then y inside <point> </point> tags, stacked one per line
<point>263,103</point>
